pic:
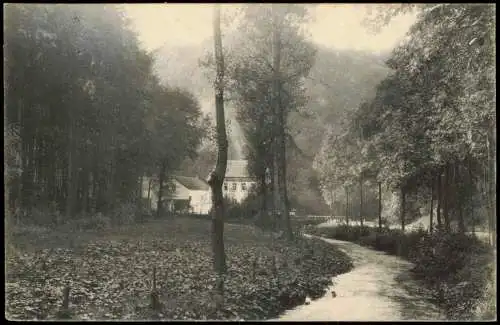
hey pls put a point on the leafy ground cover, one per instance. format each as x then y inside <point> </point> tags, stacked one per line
<point>456,267</point>
<point>109,272</point>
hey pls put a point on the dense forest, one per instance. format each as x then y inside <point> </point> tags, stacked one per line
<point>360,146</point>
<point>86,115</point>
<point>348,136</point>
<point>331,93</point>
<point>429,133</point>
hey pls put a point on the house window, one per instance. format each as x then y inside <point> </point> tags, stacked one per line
<point>243,186</point>
<point>225,186</point>
<point>233,187</point>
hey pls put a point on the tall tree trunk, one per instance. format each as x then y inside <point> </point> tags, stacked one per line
<point>216,178</point>
<point>431,213</point>
<point>8,204</point>
<point>84,192</point>
<point>111,189</point>
<point>403,208</point>
<point>27,175</point>
<point>140,201</point>
<point>71,176</point>
<point>439,193</point>
<point>150,182</point>
<point>275,187</point>
<point>51,176</point>
<point>346,206</point>
<point>379,205</point>
<point>263,201</point>
<point>86,185</point>
<point>276,109</point>
<point>361,201</point>
<point>285,215</point>
<point>95,189</point>
<point>159,204</point>
<point>491,183</point>
<point>461,199</point>
<point>332,207</point>
<point>470,195</point>
<point>446,198</point>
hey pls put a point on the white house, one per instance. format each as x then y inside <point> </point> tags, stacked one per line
<point>190,194</point>
<point>237,182</point>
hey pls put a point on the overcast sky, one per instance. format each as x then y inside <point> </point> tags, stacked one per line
<point>335,25</point>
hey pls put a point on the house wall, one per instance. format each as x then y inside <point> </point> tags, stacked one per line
<point>181,192</point>
<point>201,201</point>
<point>233,188</point>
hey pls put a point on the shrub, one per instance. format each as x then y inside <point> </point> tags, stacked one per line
<point>93,222</point>
<point>451,264</point>
<point>124,214</point>
<point>47,215</point>
<point>487,305</point>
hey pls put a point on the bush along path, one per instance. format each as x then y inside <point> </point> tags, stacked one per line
<point>455,269</point>
<point>162,270</point>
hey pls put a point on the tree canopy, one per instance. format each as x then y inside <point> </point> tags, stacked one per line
<point>90,114</point>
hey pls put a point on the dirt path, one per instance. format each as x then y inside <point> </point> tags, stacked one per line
<point>378,289</point>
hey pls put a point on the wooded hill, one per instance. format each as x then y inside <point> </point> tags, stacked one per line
<point>339,81</point>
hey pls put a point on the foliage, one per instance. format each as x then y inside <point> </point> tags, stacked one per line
<point>423,123</point>
<point>110,272</point>
<point>89,114</point>
<point>487,306</point>
<point>452,265</point>
<point>339,80</point>
<point>247,212</point>
<point>266,93</point>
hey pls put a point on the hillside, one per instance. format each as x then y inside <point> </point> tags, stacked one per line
<point>339,81</point>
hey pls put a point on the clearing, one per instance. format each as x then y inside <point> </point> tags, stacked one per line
<point>110,272</point>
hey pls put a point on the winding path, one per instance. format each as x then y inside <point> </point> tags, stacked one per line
<point>379,288</point>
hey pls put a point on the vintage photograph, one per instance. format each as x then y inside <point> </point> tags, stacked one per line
<point>250,161</point>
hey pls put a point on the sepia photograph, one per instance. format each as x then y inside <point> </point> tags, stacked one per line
<point>250,162</point>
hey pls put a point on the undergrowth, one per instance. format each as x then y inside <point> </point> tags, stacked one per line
<point>455,267</point>
<point>109,272</point>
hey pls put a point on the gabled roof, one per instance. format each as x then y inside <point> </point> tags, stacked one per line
<point>237,168</point>
<point>193,183</point>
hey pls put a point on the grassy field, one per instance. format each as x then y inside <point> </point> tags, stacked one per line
<point>109,272</point>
